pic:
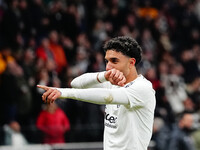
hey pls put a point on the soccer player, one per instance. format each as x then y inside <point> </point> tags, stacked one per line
<point>129,97</point>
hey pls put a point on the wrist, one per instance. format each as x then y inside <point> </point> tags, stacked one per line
<point>101,77</point>
<point>63,93</point>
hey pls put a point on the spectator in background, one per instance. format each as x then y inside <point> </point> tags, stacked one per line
<point>53,123</point>
<point>5,58</point>
<point>180,138</point>
<point>196,50</point>
<point>13,135</point>
<point>197,8</point>
<point>28,65</point>
<point>26,21</point>
<point>81,60</point>
<point>10,25</point>
<point>152,76</point>
<point>69,48</point>
<point>99,34</point>
<point>43,52</point>
<point>15,91</point>
<point>40,20</point>
<point>190,65</point>
<point>148,44</point>
<point>71,21</point>
<point>57,15</point>
<point>57,51</point>
<point>100,10</point>
<point>193,91</point>
<point>114,15</point>
<point>175,93</point>
<point>2,3</point>
<point>161,134</point>
<point>97,63</point>
<point>46,63</point>
<point>196,137</point>
<point>147,11</point>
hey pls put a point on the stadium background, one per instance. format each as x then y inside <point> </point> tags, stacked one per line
<point>53,41</point>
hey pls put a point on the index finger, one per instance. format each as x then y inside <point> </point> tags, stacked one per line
<point>43,87</point>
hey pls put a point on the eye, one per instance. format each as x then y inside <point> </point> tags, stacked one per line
<point>106,61</point>
<point>114,60</point>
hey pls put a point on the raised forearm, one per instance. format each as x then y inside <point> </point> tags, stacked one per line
<point>89,80</point>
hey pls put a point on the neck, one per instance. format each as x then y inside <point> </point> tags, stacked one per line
<point>132,75</point>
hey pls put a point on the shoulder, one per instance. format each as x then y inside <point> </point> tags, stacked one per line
<point>141,89</point>
<point>140,83</point>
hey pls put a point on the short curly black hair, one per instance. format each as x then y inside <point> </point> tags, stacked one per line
<point>126,45</point>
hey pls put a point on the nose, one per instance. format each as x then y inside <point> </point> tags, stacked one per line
<point>108,66</point>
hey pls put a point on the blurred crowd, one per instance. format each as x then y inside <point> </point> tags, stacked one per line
<point>50,42</point>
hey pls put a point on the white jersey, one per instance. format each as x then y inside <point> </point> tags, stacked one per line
<point>129,111</point>
<point>129,127</point>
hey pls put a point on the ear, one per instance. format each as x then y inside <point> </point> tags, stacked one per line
<point>132,61</point>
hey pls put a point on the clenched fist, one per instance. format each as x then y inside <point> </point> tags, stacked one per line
<point>115,77</point>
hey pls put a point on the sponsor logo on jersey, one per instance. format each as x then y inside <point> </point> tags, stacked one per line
<point>110,121</point>
<point>110,118</point>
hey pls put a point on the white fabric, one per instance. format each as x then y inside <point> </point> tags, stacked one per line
<point>18,139</point>
<point>129,111</point>
<point>96,95</point>
<point>14,138</point>
<point>88,80</point>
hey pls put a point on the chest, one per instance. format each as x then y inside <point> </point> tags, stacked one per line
<point>53,119</point>
<point>115,116</point>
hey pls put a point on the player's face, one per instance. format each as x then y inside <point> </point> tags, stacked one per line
<point>116,60</point>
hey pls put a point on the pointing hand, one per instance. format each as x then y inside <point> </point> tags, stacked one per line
<point>50,94</point>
